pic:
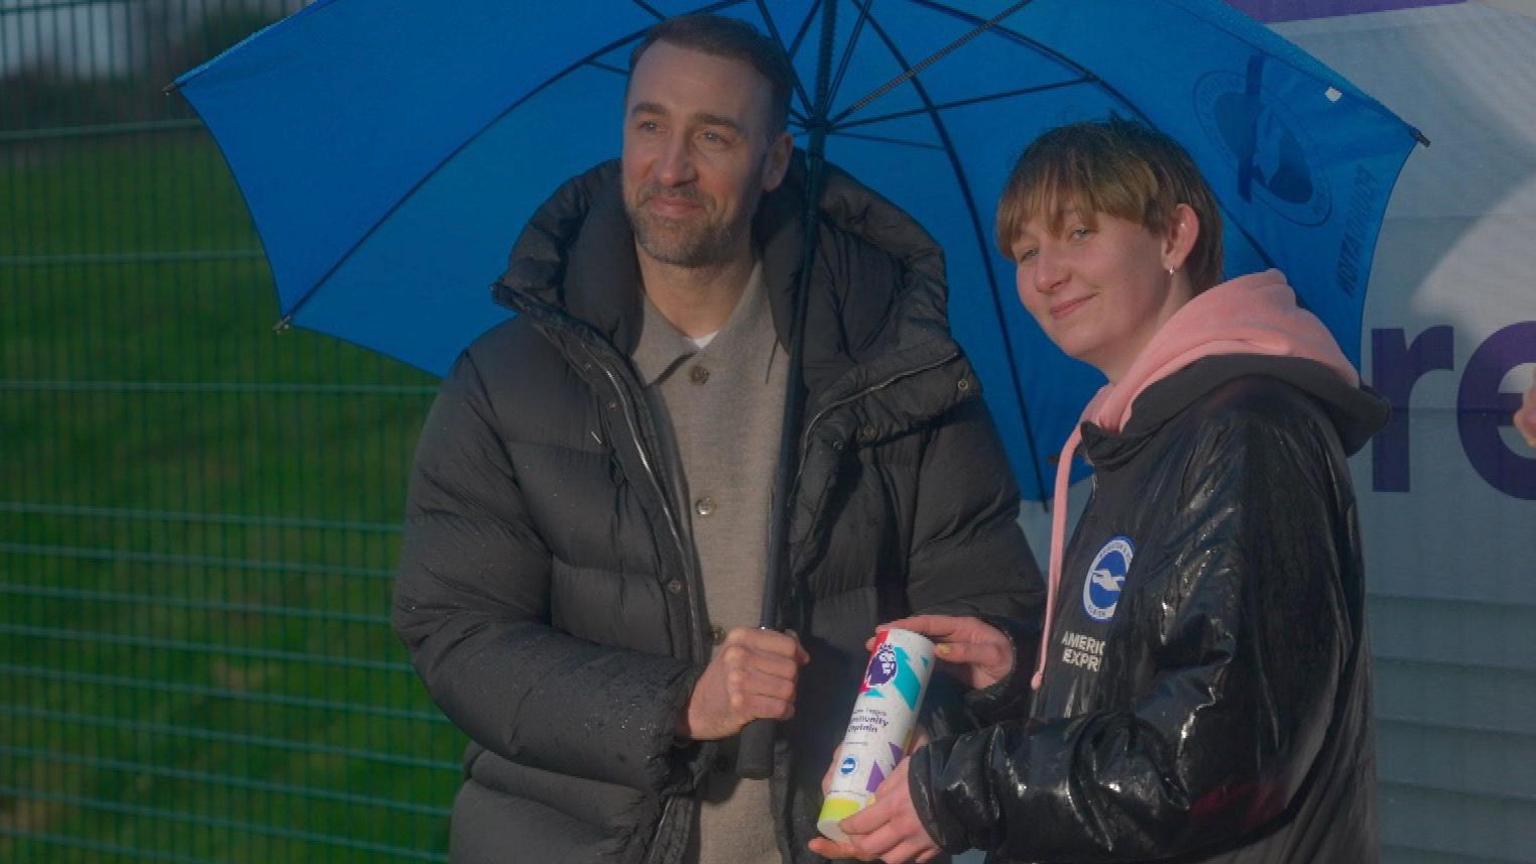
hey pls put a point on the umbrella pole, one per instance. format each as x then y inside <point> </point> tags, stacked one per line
<point>754,757</point>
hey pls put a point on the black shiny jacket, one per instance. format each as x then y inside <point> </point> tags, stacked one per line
<point>1207,692</point>
<point>550,598</point>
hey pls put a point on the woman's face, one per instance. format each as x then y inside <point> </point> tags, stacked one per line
<point>1101,287</point>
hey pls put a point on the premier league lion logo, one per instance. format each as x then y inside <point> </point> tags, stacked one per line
<point>882,667</point>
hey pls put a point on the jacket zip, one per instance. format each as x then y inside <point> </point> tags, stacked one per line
<point>805,436</point>
<point>673,527</point>
<point>653,851</point>
<point>666,505</point>
<point>670,807</point>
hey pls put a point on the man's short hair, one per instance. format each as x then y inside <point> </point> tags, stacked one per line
<point>1119,167</point>
<point>733,39</point>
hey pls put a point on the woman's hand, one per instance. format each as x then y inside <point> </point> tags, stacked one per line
<point>887,830</point>
<point>920,738</point>
<point>1525,418</point>
<point>969,649</point>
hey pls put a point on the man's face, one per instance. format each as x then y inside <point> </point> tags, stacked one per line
<point>698,155</point>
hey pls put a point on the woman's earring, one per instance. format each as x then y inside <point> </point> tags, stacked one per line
<point>1170,271</point>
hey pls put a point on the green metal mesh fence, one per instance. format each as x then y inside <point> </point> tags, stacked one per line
<point>198,518</point>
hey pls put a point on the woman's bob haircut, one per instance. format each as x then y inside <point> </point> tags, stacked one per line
<point>1116,167</point>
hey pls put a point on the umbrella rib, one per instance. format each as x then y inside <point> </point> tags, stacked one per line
<point>426,177</point>
<point>1108,89</point>
<point>651,9</point>
<point>912,71</point>
<point>607,67</point>
<point>1016,36</point>
<point>853,43</point>
<point>789,54</point>
<point>986,257</point>
<point>885,140</point>
<point>805,27</point>
<point>960,103</point>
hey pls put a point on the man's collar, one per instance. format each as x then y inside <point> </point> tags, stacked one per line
<point>662,346</point>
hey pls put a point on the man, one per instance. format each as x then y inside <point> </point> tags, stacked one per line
<point>586,534</point>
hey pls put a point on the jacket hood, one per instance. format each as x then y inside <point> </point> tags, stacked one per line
<point>1250,325</point>
<point>577,252</point>
<point>1356,411</point>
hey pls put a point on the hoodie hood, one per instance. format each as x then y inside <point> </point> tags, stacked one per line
<point>1253,315</point>
<point>1246,326</point>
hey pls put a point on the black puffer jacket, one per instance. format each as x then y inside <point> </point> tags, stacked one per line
<point>546,593</point>
<point>1215,704</point>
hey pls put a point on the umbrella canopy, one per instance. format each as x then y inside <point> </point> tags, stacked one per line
<point>391,150</point>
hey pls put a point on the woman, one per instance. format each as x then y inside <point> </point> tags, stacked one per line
<point>1201,691</point>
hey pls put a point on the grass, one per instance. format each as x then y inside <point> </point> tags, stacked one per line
<point>196,537</point>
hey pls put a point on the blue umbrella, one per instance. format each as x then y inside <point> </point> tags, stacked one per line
<point>391,150</point>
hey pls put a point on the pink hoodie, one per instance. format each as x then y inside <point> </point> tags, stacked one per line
<point>1255,314</point>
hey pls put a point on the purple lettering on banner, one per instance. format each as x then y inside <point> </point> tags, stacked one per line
<point>1294,10</point>
<point>1482,408</point>
<point>1395,367</point>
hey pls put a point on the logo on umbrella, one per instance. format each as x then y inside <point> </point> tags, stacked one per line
<point>1265,141</point>
<point>1106,578</point>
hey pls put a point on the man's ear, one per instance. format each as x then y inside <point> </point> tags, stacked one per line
<point>1179,239</point>
<point>776,162</point>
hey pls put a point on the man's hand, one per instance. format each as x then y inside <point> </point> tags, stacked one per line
<point>1525,418</point>
<point>887,830</point>
<point>971,650</point>
<point>752,676</point>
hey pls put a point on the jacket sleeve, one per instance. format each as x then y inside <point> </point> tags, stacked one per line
<point>472,606</point>
<point>969,555</point>
<point>1241,695</point>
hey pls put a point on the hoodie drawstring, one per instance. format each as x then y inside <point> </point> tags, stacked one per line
<point>1058,544</point>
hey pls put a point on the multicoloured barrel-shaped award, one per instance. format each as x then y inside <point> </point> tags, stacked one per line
<point>883,722</point>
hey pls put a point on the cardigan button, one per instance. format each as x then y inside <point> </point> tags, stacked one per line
<point>675,586</point>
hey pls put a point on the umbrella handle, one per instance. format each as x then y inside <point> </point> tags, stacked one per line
<point>754,759</point>
<point>754,754</point>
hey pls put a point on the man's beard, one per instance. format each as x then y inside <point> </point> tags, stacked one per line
<point>688,243</point>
